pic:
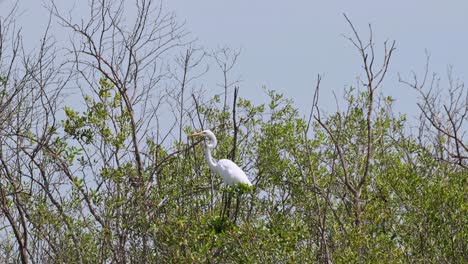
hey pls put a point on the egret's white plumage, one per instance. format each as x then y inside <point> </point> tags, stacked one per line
<point>228,170</point>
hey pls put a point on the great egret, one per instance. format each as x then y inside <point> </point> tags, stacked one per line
<point>228,170</point>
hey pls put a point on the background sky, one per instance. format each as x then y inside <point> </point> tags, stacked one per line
<point>285,44</point>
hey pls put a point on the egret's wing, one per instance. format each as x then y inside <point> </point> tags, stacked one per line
<point>231,173</point>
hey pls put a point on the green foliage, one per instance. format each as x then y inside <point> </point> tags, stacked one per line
<point>411,207</point>
<point>106,118</point>
<point>299,200</point>
<point>3,80</point>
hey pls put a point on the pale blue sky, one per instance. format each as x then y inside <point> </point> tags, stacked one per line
<point>285,44</point>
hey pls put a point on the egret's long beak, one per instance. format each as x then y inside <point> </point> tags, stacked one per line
<point>196,134</point>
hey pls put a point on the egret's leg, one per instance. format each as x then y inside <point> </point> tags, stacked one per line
<point>228,205</point>
<point>237,208</point>
<point>223,202</point>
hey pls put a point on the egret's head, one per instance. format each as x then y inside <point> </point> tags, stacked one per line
<point>207,134</point>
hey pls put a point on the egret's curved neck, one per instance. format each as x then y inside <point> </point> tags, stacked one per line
<point>208,147</point>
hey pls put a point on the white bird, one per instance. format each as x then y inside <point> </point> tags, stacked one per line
<point>228,170</point>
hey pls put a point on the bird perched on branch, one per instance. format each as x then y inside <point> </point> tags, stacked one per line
<point>228,170</point>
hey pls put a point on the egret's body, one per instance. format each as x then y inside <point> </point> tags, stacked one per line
<point>228,170</point>
<point>231,173</point>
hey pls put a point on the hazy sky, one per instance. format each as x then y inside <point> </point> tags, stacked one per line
<point>285,44</point>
